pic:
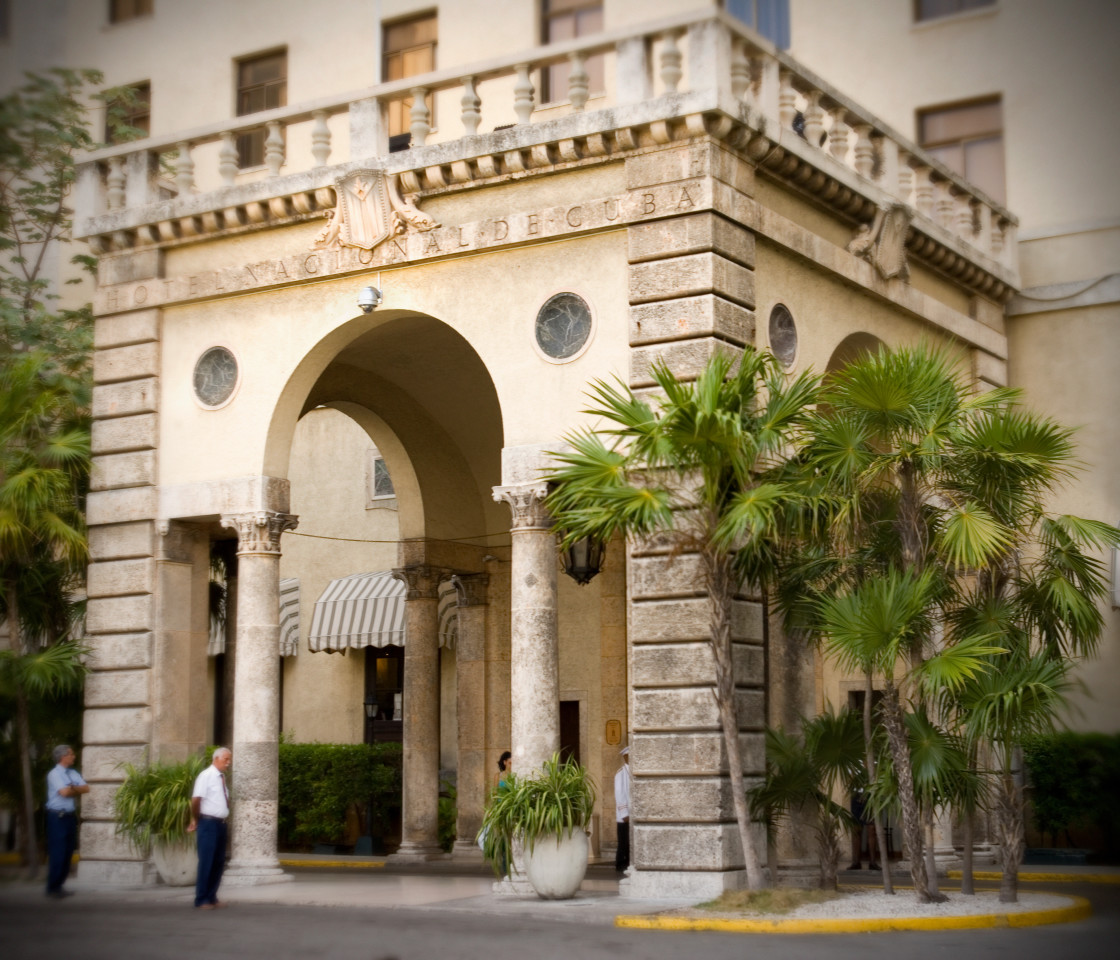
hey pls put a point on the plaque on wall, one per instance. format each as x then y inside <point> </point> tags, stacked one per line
<point>215,377</point>
<point>563,327</point>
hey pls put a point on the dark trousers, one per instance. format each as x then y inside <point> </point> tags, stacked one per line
<point>622,854</point>
<point>62,836</point>
<point>212,836</point>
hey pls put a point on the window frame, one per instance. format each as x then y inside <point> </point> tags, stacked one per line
<point>142,86</point>
<point>977,7</point>
<point>936,144</point>
<point>124,11</point>
<point>252,142</point>
<point>403,119</point>
<point>552,84</point>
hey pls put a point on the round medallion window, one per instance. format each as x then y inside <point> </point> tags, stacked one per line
<point>215,376</point>
<point>563,327</point>
<point>783,334</point>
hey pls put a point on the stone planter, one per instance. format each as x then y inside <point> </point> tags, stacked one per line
<point>557,865</point>
<point>177,863</point>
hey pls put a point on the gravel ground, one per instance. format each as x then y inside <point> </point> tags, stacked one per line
<point>872,903</point>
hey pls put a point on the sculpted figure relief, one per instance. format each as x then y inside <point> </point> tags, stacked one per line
<point>369,210</point>
<point>883,243</point>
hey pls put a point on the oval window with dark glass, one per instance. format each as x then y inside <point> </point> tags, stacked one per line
<point>783,334</point>
<point>215,376</point>
<point>563,326</point>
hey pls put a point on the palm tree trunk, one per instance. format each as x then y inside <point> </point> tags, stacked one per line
<point>968,887</point>
<point>23,736</point>
<point>911,819</point>
<point>869,759</point>
<point>931,863</point>
<point>1009,823</point>
<point>718,575</point>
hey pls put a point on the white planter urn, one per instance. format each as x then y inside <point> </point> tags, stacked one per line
<point>177,863</point>
<point>557,865</point>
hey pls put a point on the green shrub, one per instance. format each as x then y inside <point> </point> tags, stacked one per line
<point>1075,779</point>
<point>322,783</point>
<point>154,802</point>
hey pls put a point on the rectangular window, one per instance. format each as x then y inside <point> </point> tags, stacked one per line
<point>134,113</point>
<point>968,139</point>
<point>121,10</point>
<point>379,485</point>
<point>566,20</point>
<point>933,9</point>
<point>262,84</point>
<point>767,17</point>
<point>409,49</point>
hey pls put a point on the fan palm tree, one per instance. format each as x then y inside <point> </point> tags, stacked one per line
<point>701,467</point>
<point>804,774</point>
<point>942,493</point>
<point>44,457</point>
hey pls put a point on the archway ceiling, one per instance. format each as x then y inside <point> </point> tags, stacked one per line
<point>432,389</point>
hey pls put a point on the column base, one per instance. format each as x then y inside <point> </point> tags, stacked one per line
<point>466,851</point>
<point>255,874</point>
<point>411,852</point>
<point>679,884</point>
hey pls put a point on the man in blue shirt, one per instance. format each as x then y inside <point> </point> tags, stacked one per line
<point>63,785</point>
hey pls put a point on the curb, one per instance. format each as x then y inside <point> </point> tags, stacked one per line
<point>1036,877</point>
<point>1079,909</point>
<point>335,864</point>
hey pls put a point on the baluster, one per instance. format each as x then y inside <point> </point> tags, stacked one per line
<point>945,205</point>
<point>184,170</point>
<point>964,216</point>
<point>469,106</point>
<point>578,82</point>
<point>671,72</point>
<point>740,70</point>
<point>998,237</point>
<point>227,158</point>
<point>865,152</point>
<point>320,137</point>
<point>923,190</point>
<point>838,135</point>
<point>420,114</point>
<point>114,181</point>
<point>523,94</point>
<point>905,177</point>
<point>984,234</point>
<point>787,99</point>
<point>887,168</point>
<point>814,118</point>
<point>274,148</point>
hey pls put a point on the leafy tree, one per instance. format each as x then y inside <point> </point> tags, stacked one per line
<point>701,468</point>
<point>45,388</point>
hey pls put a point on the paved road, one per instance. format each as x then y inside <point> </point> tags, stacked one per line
<point>92,928</point>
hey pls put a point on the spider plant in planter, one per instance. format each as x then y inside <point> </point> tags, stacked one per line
<point>546,815</point>
<point>153,807</point>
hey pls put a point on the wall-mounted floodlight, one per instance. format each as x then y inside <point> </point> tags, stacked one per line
<point>369,298</point>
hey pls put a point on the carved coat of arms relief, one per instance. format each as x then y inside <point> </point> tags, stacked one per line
<point>369,210</point>
<point>883,242</point>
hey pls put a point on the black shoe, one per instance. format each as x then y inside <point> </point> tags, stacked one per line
<point>874,866</point>
<point>855,866</point>
<point>60,894</point>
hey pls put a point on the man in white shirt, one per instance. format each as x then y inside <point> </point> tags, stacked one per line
<point>622,811</point>
<point>209,812</point>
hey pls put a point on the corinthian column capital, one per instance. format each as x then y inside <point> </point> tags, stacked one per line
<point>526,501</point>
<point>421,580</point>
<point>259,532</point>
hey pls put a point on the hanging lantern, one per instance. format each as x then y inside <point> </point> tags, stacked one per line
<point>583,559</point>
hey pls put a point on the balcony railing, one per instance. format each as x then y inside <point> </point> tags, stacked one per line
<point>705,65</point>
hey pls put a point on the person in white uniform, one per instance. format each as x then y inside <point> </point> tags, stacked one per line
<point>622,811</point>
<point>209,813</point>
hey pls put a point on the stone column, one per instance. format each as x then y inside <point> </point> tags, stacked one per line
<point>470,679</point>
<point>420,801</point>
<point>534,644</point>
<point>256,698</point>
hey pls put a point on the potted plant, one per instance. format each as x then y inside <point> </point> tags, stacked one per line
<point>153,807</point>
<point>546,815</point>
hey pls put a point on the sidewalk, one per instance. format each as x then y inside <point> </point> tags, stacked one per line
<point>448,886</point>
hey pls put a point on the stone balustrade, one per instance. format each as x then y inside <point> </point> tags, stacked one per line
<point>703,73</point>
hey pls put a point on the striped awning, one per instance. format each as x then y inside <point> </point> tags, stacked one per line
<point>367,610</point>
<point>289,617</point>
<point>289,623</point>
